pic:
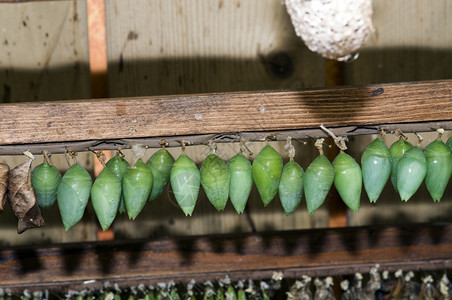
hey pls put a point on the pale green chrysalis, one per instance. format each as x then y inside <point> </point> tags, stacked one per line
<point>185,182</point>
<point>241,181</point>
<point>439,168</point>
<point>215,179</point>
<point>348,180</point>
<point>397,150</point>
<point>317,180</point>
<point>291,187</point>
<point>267,169</point>
<point>160,163</point>
<point>73,194</point>
<point>411,171</point>
<point>119,166</point>
<point>136,187</point>
<point>376,166</point>
<point>105,196</point>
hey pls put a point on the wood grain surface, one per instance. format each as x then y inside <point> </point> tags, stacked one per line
<point>224,113</point>
<point>310,252</point>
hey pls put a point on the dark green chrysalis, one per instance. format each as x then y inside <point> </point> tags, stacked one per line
<point>317,182</point>
<point>185,182</point>
<point>45,179</point>
<point>411,171</point>
<point>119,166</point>
<point>215,179</point>
<point>73,194</point>
<point>291,187</point>
<point>267,169</point>
<point>348,180</point>
<point>376,164</point>
<point>160,163</point>
<point>397,150</point>
<point>241,181</point>
<point>439,168</point>
<point>105,196</point>
<point>136,187</point>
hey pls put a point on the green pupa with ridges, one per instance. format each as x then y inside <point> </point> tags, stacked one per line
<point>241,181</point>
<point>105,196</point>
<point>348,180</point>
<point>397,150</point>
<point>73,194</point>
<point>376,167</point>
<point>317,182</point>
<point>160,164</point>
<point>118,165</point>
<point>291,187</point>
<point>439,168</point>
<point>45,179</point>
<point>215,180</point>
<point>267,169</point>
<point>411,171</point>
<point>136,187</point>
<point>185,181</point>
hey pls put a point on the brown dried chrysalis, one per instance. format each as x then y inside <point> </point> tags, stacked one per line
<point>4,170</point>
<point>22,198</point>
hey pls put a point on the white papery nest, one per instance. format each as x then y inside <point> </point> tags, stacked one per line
<point>335,29</point>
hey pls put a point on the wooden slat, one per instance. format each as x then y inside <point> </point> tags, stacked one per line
<point>224,113</point>
<point>312,252</point>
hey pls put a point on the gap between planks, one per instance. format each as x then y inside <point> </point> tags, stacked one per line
<point>174,141</point>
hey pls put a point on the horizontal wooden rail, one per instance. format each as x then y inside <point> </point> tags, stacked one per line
<point>108,123</point>
<point>318,252</point>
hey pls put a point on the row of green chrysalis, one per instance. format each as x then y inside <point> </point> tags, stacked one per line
<point>127,188</point>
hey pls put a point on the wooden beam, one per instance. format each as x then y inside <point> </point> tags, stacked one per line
<point>317,252</point>
<point>158,116</point>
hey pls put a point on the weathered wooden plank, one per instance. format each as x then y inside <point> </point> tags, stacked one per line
<point>314,252</point>
<point>225,113</point>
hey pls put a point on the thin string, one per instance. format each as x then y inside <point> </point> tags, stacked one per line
<point>339,141</point>
<point>290,148</point>
<point>319,145</point>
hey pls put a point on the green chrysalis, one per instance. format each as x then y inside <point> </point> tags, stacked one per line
<point>185,182</point>
<point>348,180</point>
<point>136,187</point>
<point>317,182</point>
<point>119,166</point>
<point>411,171</point>
<point>291,187</point>
<point>73,194</point>
<point>267,169</point>
<point>160,163</point>
<point>215,179</point>
<point>439,168</point>
<point>397,150</point>
<point>376,164</point>
<point>241,181</point>
<point>105,196</point>
<point>45,179</point>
